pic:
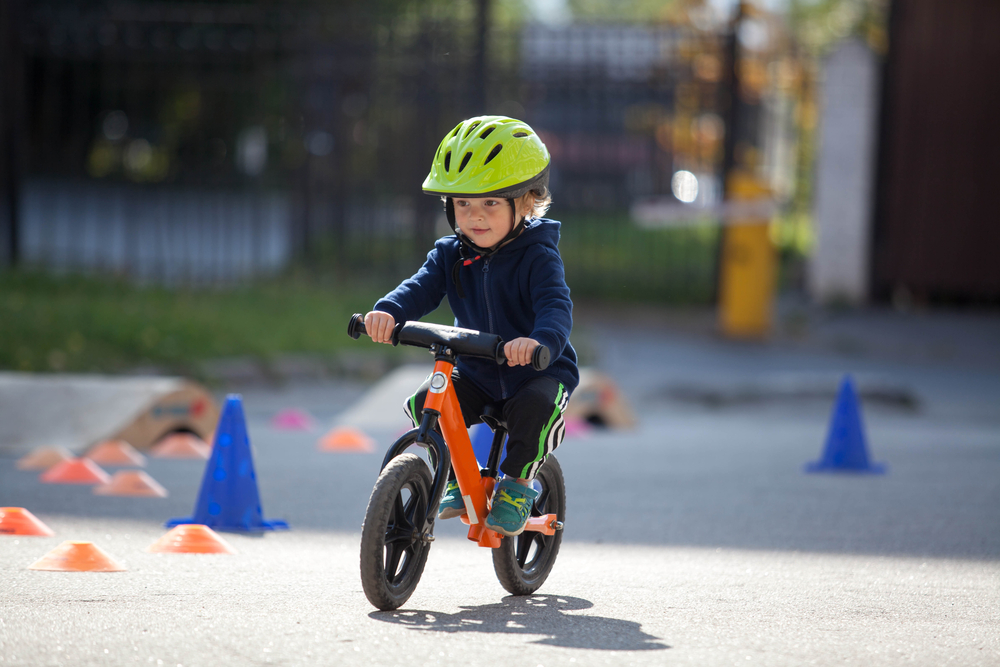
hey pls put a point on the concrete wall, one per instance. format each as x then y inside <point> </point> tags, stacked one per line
<point>164,236</point>
<point>845,175</point>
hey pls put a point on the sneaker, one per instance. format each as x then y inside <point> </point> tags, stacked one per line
<point>512,505</point>
<point>452,503</point>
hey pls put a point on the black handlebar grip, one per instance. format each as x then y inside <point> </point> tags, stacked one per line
<point>540,358</point>
<point>357,326</point>
<point>500,356</point>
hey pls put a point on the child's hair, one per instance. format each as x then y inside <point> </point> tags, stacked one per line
<point>539,202</point>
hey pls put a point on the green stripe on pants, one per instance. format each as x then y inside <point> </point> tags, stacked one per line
<point>545,432</point>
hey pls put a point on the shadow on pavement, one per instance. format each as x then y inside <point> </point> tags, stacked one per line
<point>534,615</point>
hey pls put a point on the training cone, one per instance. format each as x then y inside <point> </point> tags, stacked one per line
<point>293,419</point>
<point>346,440</point>
<point>576,427</point>
<point>134,483</point>
<point>43,458</point>
<point>181,445</point>
<point>191,538</point>
<point>19,521</point>
<point>482,442</point>
<point>77,557</point>
<point>115,453</point>
<point>75,471</point>
<point>228,499</point>
<point>845,449</point>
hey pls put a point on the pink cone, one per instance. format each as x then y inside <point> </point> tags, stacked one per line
<point>293,419</point>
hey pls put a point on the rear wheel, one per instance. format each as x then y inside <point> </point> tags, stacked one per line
<point>393,547</point>
<point>523,563</point>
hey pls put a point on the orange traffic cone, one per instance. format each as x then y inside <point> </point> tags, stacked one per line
<point>43,458</point>
<point>115,453</point>
<point>75,471</point>
<point>77,557</point>
<point>346,440</point>
<point>132,483</point>
<point>191,538</point>
<point>181,445</point>
<point>19,521</point>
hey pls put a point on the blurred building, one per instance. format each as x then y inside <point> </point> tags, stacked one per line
<point>906,209</point>
<point>845,174</point>
<point>214,141</point>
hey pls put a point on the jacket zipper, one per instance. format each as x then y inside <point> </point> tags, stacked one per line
<point>489,316</point>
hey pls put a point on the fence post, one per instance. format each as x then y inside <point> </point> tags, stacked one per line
<point>481,72</point>
<point>11,124</point>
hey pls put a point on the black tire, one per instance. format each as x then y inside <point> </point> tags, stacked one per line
<point>523,563</point>
<point>393,553</point>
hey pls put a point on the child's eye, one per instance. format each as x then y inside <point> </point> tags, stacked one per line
<point>492,202</point>
<point>461,202</point>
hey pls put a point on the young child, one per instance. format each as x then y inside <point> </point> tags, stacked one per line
<point>502,274</point>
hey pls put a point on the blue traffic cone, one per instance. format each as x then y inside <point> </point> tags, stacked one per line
<point>845,449</point>
<point>228,499</point>
<point>482,442</point>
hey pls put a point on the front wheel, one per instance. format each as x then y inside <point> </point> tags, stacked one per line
<point>393,547</point>
<point>523,563</point>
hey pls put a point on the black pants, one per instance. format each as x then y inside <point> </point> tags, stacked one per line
<point>534,417</point>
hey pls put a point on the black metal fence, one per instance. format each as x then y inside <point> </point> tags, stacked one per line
<point>200,142</point>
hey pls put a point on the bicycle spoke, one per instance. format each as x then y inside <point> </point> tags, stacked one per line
<point>523,548</point>
<point>398,509</point>
<point>400,528</point>
<point>397,533</point>
<point>411,510</point>
<point>541,502</point>
<point>393,553</point>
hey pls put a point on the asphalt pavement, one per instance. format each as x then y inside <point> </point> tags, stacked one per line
<point>694,539</point>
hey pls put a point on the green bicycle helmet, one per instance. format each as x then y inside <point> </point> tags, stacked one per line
<point>489,156</point>
<point>486,156</point>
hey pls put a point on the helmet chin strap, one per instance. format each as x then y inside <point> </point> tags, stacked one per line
<point>470,252</point>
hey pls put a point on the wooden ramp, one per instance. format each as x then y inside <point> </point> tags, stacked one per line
<point>77,411</point>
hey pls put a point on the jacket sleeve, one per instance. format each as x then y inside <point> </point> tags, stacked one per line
<point>418,295</point>
<point>550,301</point>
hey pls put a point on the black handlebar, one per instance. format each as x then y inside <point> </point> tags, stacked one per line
<point>356,327</point>
<point>461,341</point>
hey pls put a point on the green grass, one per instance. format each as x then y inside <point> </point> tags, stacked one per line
<point>609,258</point>
<point>89,324</point>
<point>85,324</point>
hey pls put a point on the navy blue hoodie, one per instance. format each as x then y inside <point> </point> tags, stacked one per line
<point>518,292</point>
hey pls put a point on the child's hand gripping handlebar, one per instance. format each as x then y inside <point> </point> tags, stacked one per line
<point>461,341</point>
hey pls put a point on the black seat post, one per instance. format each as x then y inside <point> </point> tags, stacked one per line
<point>499,436</point>
<point>493,417</point>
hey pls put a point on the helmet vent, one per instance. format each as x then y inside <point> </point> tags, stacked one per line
<point>519,134</point>
<point>487,133</point>
<point>493,153</point>
<point>447,161</point>
<point>465,161</point>
<point>471,128</point>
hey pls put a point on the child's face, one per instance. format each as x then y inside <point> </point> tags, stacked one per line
<point>484,220</point>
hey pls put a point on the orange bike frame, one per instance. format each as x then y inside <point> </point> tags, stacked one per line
<point>475,488</point>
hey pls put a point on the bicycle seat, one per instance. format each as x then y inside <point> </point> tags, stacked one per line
<point>493,416</point>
